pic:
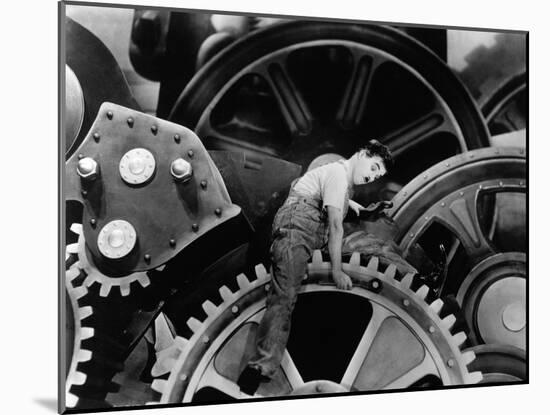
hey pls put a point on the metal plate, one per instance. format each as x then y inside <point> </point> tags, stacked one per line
<point>167,215</point>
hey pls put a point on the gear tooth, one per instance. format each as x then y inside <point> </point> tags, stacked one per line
<point>209,308</point>
<point>162,366</point>
<point>84,355</point>
<point>261,272</point>
<point>76,228</point>
<point>390,271</point>
<point>449,321</point>
<point>194,324</point>
<point>459,338</point>
<point>355,259</point>
<point>71,400</point>
<point>105,290</point>
<point>158,385</point>
<point>242,281</point>
<point>468,357</point>
<point>124,289</point>
<point>437,305</point>
<point>80,292</point>
<point>77,378</point>
<point>422,292</point>
<point>317,257</point>
<point>373,263</point>
<point>143,279</point>
<point>407,280</point>
<point>475,377</point>
<point>86,333</point>
<point>226,294</point>
<point>85,312</point>
<point>72,273</point>
<point>72,249</point>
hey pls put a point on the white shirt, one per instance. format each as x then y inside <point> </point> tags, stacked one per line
<point>328,183</point>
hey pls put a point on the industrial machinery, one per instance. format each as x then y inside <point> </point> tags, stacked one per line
<point>168,222</point>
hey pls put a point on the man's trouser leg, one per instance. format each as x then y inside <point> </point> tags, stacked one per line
<point>289,256</point>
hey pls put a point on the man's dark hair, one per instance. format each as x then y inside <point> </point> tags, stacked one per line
<point>376,148</point>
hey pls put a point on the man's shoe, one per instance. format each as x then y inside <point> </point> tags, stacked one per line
<point>250,379</point>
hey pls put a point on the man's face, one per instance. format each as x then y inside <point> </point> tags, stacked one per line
<point>368,169</point>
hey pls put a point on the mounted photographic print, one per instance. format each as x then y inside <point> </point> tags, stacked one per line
<point>277,207</point>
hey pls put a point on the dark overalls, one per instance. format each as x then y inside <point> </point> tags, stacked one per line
<point>300,226</point>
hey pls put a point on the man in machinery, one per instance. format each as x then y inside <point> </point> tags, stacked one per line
<point>310,218</point>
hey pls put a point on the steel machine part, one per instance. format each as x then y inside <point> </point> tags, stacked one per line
<point>457,202</point>
<point>298,90</point>
<point>499,363</point>
<point>506,108</point>
<point>400,341</point>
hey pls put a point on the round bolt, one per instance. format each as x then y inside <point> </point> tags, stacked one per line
<point>183,377</point>
<point>375,284</point>
<point>172,243</point>
<point>84,193</point>
<point>130,122</point>
<point>447,164</point>
<point>431,329</point>
<point>426,218</point>
<point>96,136</point>
<point>147,258</point>
<point>234,309</point>
<point>80,156</point>
<point>425,176</point>
<point>442,203</point>
<point>461,193</point>
<point>190,153</point>
<point>205,339</point>
<point>450,362</point>
<point>154,129</point>
<point>110,115</point>
<point>218,212</point>
<point>177,138</point>
<point>195,227</point>
<point>93,222</point>
<point>406,302</point>
<point>203,184</point>
<point>181,170</point>
<point>87,168</point>
<point>411,235</point>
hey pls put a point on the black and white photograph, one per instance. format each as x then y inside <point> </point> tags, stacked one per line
<point>269,207</point>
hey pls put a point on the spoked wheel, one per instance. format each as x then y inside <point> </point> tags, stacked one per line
<point>299,90</point>
<point>380,335</point>
<point>506,109</point>
<point>457,203</point>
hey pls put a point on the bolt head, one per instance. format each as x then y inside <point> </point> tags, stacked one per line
<point>96,136</point>
<point>204,184</point>
<point>177,138</point>
<point>110,115</point>
<point>431,329</point>
<point>234,309</point>
<point>93,222</point>
<point>181,170</point>
<point>154,129</point>
<point>147,258</point>
<point>172,242</point>
<point>450,362</point>
<point>87,168</point>
<point>130,122</point>
<point>406,303</point>
<point>195,227</point>
<point>218,212</point>
<point>190,153</point>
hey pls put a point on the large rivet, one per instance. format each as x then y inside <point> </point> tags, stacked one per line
<point>154,129</point>
<point>426,218</point>
<point>96,136</point>
<point>183,377</point>
<point>205,339</point>
<point>203,184</point>
<point>116,239</point>
<point>442,204</point>
<point>110,115</point>
<point>234,309</point>
<point>267,287</point>
<point>190,153</point>
<point>461,193</point>
<point>147,258</point>
<point>172,242</point>
<point>218,212</point>
<point>500,184</point>
<point>93,222</point>
<point>177,138</point>
<point>406,302</point>
<point>80,156</point>
<point>450,362</point>
<point>84,193</point>
<point>431,329</point>
<point>425,176</point>
<point>87,168</point>
<point>181,170</point>
<point>195,227</point>
<point>447,164</point>
<point>130,122</point>
<point>411,235</point>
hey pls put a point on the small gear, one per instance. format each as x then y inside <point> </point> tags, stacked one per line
<point>93,275</point>
<point>213,355</point>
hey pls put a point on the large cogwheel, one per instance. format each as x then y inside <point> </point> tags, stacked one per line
<point>93,275</point>
<point>382,334</point>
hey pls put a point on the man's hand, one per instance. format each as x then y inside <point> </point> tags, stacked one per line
<point>356,207</point>
<point>342,280</point>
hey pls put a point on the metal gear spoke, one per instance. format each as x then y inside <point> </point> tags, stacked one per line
<point>427,367</point>
<point>291,371</point>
